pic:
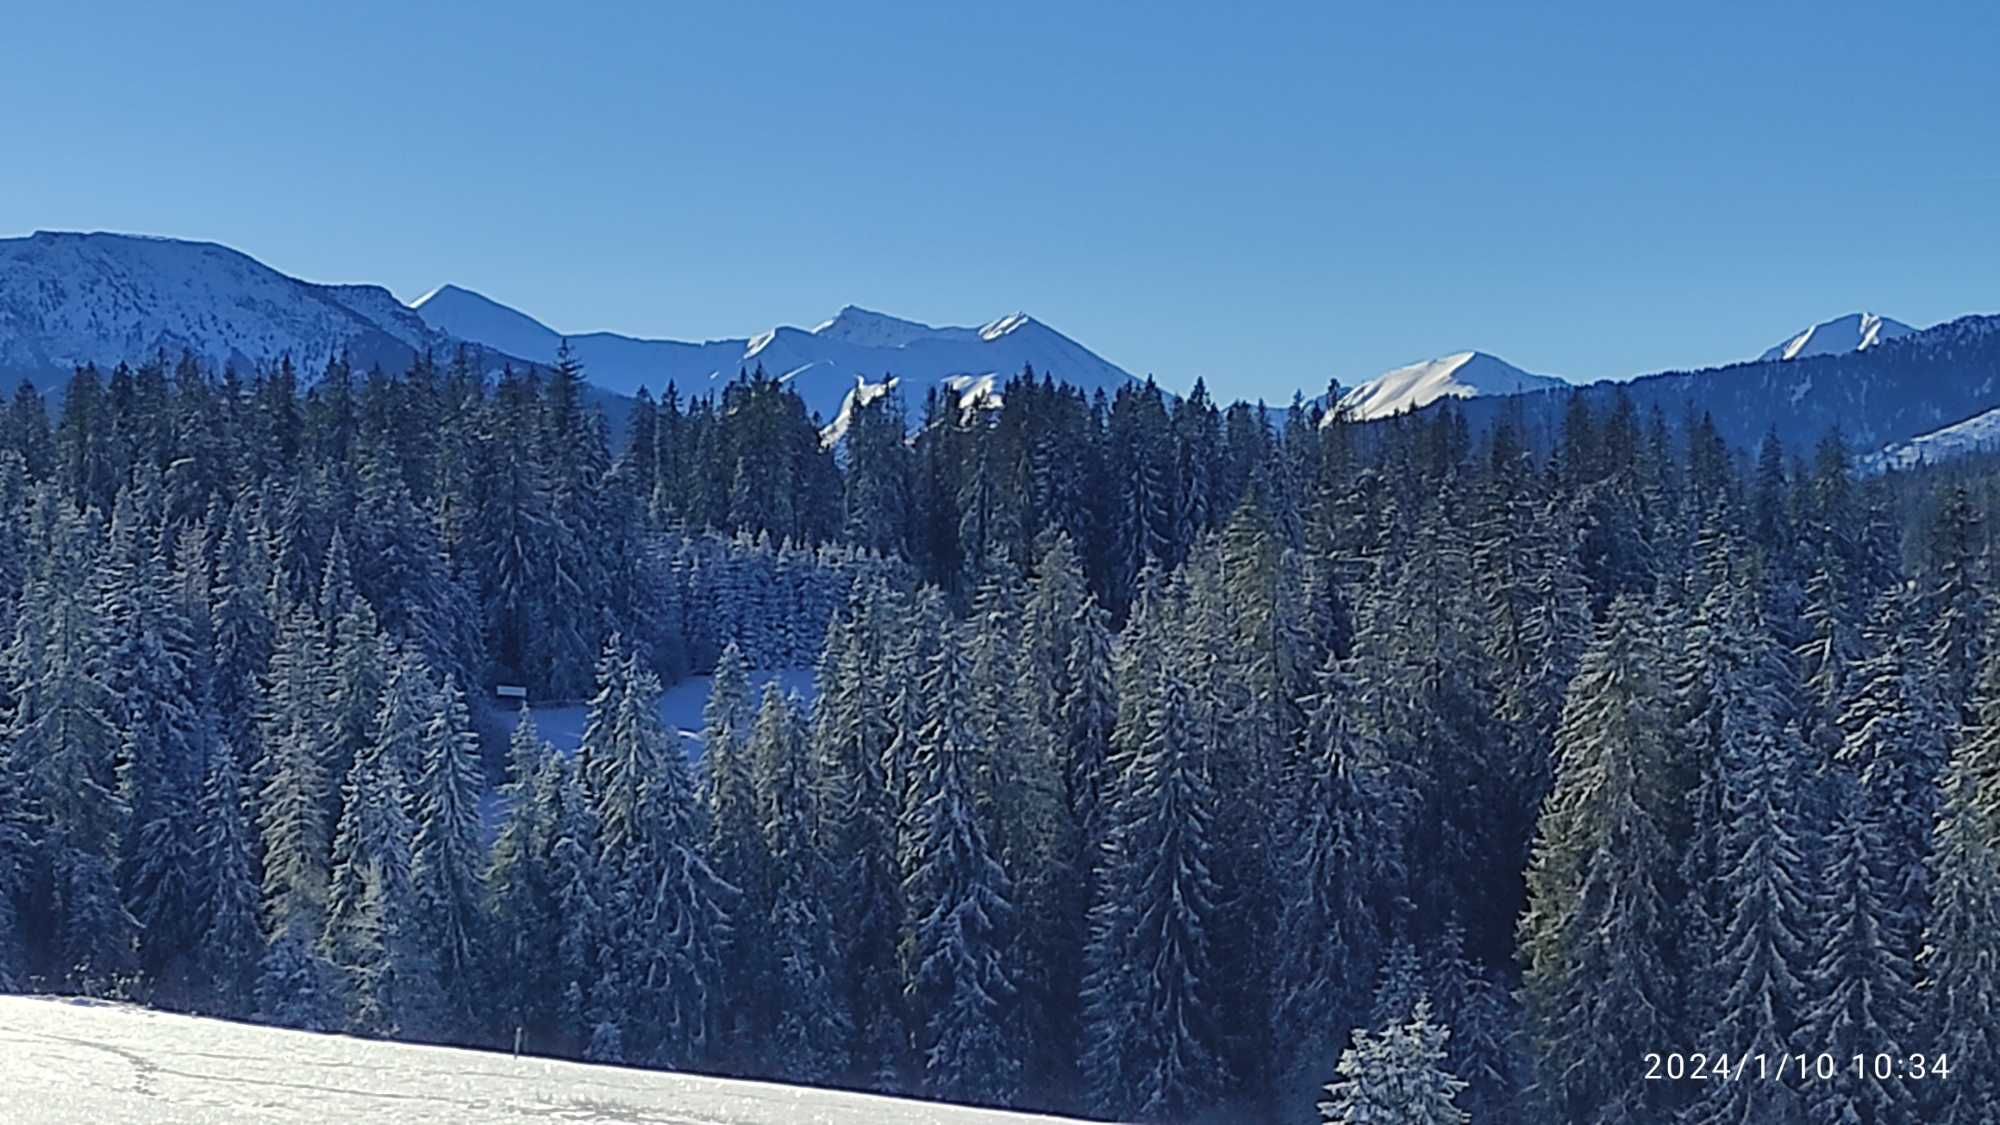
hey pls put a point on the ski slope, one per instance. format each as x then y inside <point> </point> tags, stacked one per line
<point>65,1061</point>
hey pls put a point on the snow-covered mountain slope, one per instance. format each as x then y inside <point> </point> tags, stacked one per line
<point>857,349</point>
<point>1464,375</point>
<point>71,298</point>
<point>1851,333</point>
<point>1977,434</point>
<point>70,1061</point>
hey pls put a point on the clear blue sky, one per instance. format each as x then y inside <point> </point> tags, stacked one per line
<point>1267,199</point>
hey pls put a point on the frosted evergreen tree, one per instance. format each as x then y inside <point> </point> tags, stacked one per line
<point>579,902</point>
<point>1748,863</point>
<point>813,1025</point>
<point>1156,911</point>
<point>18,860</point>
<point>1599,933</point>
<point>1863,989</point>
<point>354,681</point>
<point>670,930</point>
<point>447,863</point>
<point>849,741</point>
<point>244,635</point>
<point>292,808</point>
<point>1398,987</point>
<point>1894,740</point>
<point>738,851</point>
<point>959,911</point>
<point>1343,859</point>
<point>1754,977</point>
<point>370,905</point>
<point>1089,711</point>
<point>1396,1075</point>
<point>1955,609</point>
<point>64,732</point>
<point>1960,959</point>
<point>522,984</point>
<point>1022,796</point>
<point>232,937</point>
<point>150,671</point>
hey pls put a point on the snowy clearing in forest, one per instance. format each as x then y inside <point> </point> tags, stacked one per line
<point>65,1061</point>
<point>680,708</point>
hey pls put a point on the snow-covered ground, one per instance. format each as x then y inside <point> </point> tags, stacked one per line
<point>680,708</point>
<point>1977,434</point>
<point>66,1061</point>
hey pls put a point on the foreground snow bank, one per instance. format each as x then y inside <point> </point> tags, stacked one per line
<point>64,1061</point>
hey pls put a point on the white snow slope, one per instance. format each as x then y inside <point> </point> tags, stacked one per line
<point>681,708</point>
<point>70,298</point>
<point>66,1061</point>
<point>1851,333</point>
<point>1977,434</point>
<point>1459,376</point>
<point>852,353</point>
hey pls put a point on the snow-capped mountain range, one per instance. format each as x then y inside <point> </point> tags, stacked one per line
<point>854,352</point>
<point>69,298</point>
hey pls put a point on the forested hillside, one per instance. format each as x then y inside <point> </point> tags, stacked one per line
<point>1168,761</point>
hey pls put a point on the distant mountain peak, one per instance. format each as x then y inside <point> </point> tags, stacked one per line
<point>856,325</point>
<point>1855,332</point>
<point>1012,322</point>
<point>1459,375</point>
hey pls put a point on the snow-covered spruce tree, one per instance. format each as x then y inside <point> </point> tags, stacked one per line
<point>813,1027</point>
<point>1753,979</point>
<point>1894,732</point>
<point>1164,888</point>
<point>354,681</point>
<point>1484,1048</point>
<point>1862,989</point>
<point>18,861</point>
<point>372,937</point>
<point>1597,941</point>
<point>244,635</point>
<point>1960,961</point>
<point>1111,987</point>
<point>232,937</point>
<point>293,782</point>
<point>579,902</point>
<point>1398,986</point>
<point>64,733</point>
<point>1341,864</point>
<point>1021,797</point>
<point>1954,607</point>
<point>149,670</point>
<point>1830,653</point>
<point>669,931</point>
<point>1396,1075</point>
<point>522,985</point>
<point>960,914</point>
<point>1750,884</point>
<point>849,742</point>
<point>508,535</point>
<point>447,863</point>
<point>737,851</point>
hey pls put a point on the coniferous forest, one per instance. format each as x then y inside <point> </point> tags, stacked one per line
<point>1168,761</point>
